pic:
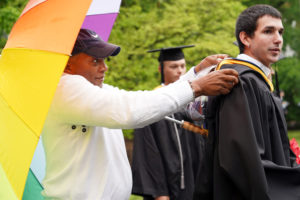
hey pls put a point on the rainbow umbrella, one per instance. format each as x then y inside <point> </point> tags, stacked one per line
<point>101,17</point>
<point>31,64</point>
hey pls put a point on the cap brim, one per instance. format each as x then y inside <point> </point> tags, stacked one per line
<point>171,48</point>
<point>103,51</point>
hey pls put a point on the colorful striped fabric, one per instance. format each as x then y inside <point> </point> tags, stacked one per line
<point>101,17</point>
<point>33,188</point>
<point>31,64</point>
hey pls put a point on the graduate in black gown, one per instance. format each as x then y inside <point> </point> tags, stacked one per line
<point>166,157</point>
<point>250,153</point>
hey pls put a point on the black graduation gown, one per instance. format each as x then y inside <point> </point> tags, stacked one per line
<point>156,164</point>
<point>250,154</point>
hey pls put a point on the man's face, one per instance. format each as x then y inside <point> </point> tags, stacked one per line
<point>90,68</point>
<point>267,41</point>
<point>173,70</point>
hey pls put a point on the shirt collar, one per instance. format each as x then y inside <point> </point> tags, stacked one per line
<point>264,68</point>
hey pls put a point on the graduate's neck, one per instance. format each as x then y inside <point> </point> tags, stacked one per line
<point>260,59</point>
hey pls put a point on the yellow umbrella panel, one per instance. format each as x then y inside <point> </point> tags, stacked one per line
<point>30,67</point>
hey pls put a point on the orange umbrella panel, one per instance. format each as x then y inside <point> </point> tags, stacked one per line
<point>51,25</point>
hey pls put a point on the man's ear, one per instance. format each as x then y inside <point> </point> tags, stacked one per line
<point>245,39</point>
<point>159,68</point>
<point>68,68</point>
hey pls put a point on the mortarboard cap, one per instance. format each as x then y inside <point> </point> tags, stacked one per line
<point>169,54</point>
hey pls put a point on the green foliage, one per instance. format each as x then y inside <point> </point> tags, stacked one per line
<point>128,133</point>
<point>13,3</point>
<point>8,16</point>
<point>9,13</point>
<point>293,134</point>
<point>207,24</point>
<point>290,10</point>
<point>136,197</point>
<point>142,26</point>
<point>289,73</point>
<point>146,5</point>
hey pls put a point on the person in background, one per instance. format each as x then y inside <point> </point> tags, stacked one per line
<point>166,157</point>
<point>284,103</point>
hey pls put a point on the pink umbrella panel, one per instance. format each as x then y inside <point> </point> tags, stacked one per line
<point>101,18</point>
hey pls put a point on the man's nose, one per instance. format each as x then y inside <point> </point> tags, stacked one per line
<point>278,38</point>
<point>102,68</point>
<point>180,71</point>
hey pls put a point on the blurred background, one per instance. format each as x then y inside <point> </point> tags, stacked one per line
<point>208,24</point>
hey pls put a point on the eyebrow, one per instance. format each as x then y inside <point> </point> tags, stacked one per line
<point>177,65</point>
<point>273,27</point>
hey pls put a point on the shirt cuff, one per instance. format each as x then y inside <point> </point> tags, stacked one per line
<point>183,92</point>
<point>205,71</point>
<point>190,75</point>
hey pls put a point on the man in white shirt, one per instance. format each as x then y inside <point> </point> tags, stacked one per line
<point>251,158</point>
<point>85,152</point>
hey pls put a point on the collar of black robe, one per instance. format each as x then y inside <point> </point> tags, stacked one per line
<point>247,64</point>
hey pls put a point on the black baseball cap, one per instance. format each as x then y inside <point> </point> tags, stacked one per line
<point>90,43</point>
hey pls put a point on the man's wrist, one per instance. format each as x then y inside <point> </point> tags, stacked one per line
<point>195,88</point>
<point>162,198</point>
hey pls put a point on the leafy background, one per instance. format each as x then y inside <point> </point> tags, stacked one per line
<point>208,24</point>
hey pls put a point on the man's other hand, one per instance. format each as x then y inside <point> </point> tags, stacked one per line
<point>210,60</point>
<point>215,83</point>
<point>162,198</point>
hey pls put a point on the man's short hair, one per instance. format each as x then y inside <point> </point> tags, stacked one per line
<point>247,20</point>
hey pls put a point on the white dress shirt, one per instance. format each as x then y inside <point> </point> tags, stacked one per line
<point>85,150</point>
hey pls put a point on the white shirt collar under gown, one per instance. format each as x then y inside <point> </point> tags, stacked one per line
<point>264,68</point>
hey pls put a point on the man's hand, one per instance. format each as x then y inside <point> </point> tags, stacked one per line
<point>215,83</point>
<point>210,60</point>
<point>162,198</point>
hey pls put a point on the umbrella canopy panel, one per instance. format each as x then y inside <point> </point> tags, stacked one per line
<point>101,17</point>
<point>20,126</point>
<point>50,26</point>
<point>32,62</point>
